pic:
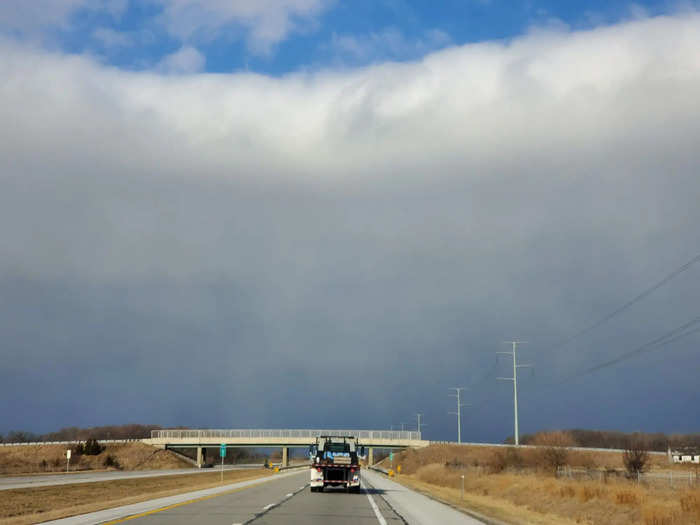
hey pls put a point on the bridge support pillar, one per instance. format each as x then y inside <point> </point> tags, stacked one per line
<point>370,457</point>
<point>201,456</point>
<point>285,456</point>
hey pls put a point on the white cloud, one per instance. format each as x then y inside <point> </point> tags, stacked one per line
<point>264,23</point>
<point>185,60</point>
<point>551,109</point>
<point>389,44</point>
<point>411,213</point>
<point>32,16</point>
<point>109,38</point>
<point>261,23</point>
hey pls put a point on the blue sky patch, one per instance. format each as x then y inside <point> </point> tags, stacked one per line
<point>293,35</point>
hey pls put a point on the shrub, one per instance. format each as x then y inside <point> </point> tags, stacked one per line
<point>92,447</point>
<point>78,449</point>
<point>636,455</point>
<point>110,461</point>
<point>553,451</point>
<point>454,463</point>
<point>510,459</point>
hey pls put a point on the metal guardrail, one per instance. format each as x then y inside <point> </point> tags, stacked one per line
<point>285,433</point>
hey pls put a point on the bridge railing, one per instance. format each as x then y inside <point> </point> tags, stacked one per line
<point>284,433</point>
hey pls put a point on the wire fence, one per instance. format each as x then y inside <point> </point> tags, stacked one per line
<point>668,478</point>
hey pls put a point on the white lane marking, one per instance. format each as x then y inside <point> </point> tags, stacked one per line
<point>378,514</point>
<point>271,505</point>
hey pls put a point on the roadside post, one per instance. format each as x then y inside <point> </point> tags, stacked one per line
<point>462,486</point>
<point>67,460</point>
<point>222,453</point>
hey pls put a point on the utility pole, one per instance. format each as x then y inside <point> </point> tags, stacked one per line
<point>513,353</point>
<point>420,425</point>
<point>458,395</point>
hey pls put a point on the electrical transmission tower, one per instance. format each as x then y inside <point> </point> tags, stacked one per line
<point>515,382</point>
<point>420,425</point>
<point>458,395</point>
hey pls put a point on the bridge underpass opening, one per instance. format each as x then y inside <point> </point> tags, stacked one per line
<point>209,455</point>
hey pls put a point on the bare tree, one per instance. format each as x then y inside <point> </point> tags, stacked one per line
<point>636,455</point>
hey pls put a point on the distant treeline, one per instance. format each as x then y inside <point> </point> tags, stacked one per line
<point>619,440</point>
<point>132,431</point>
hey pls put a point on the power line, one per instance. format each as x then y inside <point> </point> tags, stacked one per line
<point>672,336</point>
<point>629,303</point>
<point>667,338</point>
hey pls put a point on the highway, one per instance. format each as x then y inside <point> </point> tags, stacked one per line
<point>285,499</point>
<point>23,482</point>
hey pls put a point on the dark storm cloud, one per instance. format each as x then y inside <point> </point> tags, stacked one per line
<point>337,249</point>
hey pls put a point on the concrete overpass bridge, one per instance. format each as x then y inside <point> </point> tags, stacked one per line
<point>283,438</point>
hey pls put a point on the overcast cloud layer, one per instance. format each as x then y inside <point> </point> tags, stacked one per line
<point>339,248</point>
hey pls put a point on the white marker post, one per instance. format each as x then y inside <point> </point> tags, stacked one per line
<point>67,459</point>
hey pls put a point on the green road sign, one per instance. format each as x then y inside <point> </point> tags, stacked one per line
<point>222,450</point>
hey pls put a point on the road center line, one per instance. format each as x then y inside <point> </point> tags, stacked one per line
<point>377,513</point>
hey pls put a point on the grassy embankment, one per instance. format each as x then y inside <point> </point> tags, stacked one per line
<point>36,459</point>
<point>34,505</point>
<point>519,488</point>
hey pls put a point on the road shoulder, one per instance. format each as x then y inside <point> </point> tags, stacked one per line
<point>415,508</point>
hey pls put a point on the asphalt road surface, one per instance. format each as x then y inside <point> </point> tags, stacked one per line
<point>23,482</point>
<point>287,500</point>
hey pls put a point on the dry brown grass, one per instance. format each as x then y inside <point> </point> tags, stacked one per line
<point>35,459</point>
<point>488,458</point>
<point>497,491</point>
<point>23,506</point>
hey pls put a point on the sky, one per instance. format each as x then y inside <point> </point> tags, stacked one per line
<point>324,214</point>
